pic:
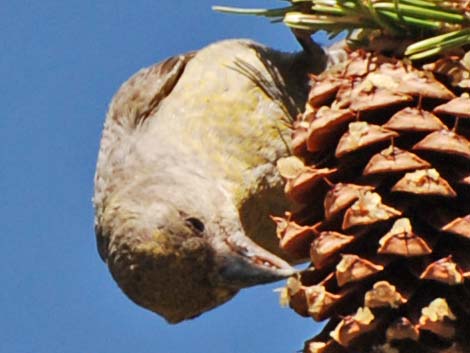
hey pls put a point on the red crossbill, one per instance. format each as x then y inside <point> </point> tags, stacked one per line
<point>186,175</point>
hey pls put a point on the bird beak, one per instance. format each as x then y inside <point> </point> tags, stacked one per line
<point>247,264</point>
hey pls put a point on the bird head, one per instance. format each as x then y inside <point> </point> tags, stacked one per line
<point>179,249</point>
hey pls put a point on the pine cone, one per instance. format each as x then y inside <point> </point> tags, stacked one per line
<point>386,146</point>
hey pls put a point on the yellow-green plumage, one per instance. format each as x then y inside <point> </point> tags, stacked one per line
<point>187,169</point>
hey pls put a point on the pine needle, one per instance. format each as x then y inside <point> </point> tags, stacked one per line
<point>436,26</point>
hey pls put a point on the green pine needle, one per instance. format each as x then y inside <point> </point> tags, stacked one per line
<point>436,25</point>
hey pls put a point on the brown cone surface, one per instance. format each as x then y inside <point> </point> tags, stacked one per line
<point>382,179</point>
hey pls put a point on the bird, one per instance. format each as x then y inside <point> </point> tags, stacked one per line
<point>186,174</point>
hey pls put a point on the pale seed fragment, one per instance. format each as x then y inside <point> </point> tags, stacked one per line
<point>353,268</point>
<point>444,270</point>
<point>437,318</point>
<point>353,326</point>
<point>393,160</point>
<point>294,238</point>
<point>424,182</point>
<point>297,188</point>
<point>326,246</point>
<point>324,347</point>
<point>342,196</point>
<point>383,294</point>
<point>320,301</point>
<point>401,240</point>
<point>368,209</point>
<point>362,134</point>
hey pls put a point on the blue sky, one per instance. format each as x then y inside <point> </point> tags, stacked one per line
<point>60,64</point>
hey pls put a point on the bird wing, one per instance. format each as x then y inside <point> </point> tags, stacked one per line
<point>140,96</point>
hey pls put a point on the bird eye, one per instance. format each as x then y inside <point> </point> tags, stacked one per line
<point>196,224</point>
